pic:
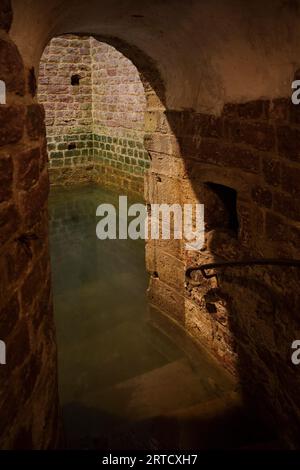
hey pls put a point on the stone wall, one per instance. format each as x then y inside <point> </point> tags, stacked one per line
<point>119,105</point>
<point>95,103</point>
<point>28,392</point>
<point>244,167</point>
<point>64,88</point>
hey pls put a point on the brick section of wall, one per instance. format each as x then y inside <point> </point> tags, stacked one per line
<point>95,130</point>
<point>119,105</point>
<point>120,162</point>
<point>68,107</point>
<point>29,393</point>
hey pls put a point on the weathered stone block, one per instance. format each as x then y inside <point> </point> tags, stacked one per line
<point>34,200</point>
<point>252,109</point>
<point>9,410</point>
<point>18,345</point>
<point>44,158</point>
<point>11,68</point>
<point>166,267</point>
<point>9,315</point>
<point>160,189</point>
<point>262,196</point>
<point>290,179</point>
<point>166,299</point>
<point>294,114</point>
<point>27,168</point>
<point>6,15</point>
<point>6,177</point>
<point>17,261</point>
<point>32,84</point>
<point>9,221</point>
<point>35,121</point>
<point>161,143</point>
<point>287,205</point>
<point>28,378</point>
<point>276,230</point>
<point>258,135</point>
<point>12,120</point>
<point>218,153</point>
<point>198,319</point>
<point>289,143</point>
<point>31,285</point>
<point>272,171</point>
<point>279,109</point>
<point>207,126</point>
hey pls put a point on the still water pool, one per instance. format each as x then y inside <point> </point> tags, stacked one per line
<point>123,383</point>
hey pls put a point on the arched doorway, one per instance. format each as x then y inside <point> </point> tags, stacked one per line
<point>117,361</point>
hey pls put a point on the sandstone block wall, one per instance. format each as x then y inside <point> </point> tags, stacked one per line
<point>119,105</point>
<point>247,317</point>
<point>28,392</point>
<point>68,104</point>
<point>95,103</point>
<point>244,167</point>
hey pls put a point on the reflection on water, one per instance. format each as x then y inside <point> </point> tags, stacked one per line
<point>122,382</point>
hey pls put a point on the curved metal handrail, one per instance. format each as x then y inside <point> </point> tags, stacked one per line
<point>246,262</point>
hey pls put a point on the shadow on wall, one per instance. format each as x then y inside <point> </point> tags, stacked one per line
<point>242,166</point>
<point>247,316</point>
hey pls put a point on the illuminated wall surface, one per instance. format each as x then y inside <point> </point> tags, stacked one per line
<point>95,106</point>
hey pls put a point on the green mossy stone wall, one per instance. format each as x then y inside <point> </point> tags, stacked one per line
<point>95,130</point>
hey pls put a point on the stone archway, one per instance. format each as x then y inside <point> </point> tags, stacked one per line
<point>25,242</point>
<point>95,104</point>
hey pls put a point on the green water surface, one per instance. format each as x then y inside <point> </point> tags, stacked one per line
<point>114,367</point>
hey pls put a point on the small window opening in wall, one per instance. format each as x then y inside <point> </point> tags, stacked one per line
<point>2,92</point>
<point>72,146</point>
<point>75,80</point>
<point>228,197</point>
